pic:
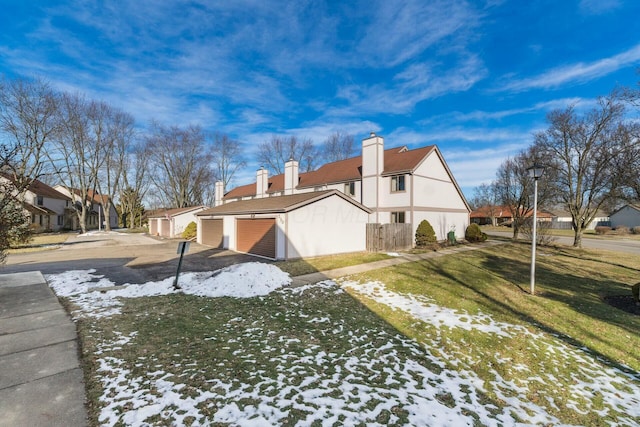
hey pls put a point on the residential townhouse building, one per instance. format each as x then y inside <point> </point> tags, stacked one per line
<point>396,185</point>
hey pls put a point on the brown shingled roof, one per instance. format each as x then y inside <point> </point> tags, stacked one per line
<point>278,204</point>
<point>38,210</point>
<point>398,159</point>
<point>39,188</point>
<point>161,213</point>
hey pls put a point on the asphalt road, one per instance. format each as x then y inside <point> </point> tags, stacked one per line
<point>631,246</point>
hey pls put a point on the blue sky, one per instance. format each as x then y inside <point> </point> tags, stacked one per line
<point>475,78</point>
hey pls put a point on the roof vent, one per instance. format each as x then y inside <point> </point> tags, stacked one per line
<point>372,134</point>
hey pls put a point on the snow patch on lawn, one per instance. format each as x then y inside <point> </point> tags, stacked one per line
<point>239,281</point>
<point>617,388</point>
<point>423,308</point>
<point>366,386</point>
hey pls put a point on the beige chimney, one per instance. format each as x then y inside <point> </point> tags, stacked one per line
<point>262,182</point>
<point>219,193</point>
<point>290,176</point>
<point>372,168</point>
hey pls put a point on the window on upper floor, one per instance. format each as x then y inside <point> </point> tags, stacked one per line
<point>39,200</point>
<point>397,217</point>
<point>350,188</point>
<point>397,183</point>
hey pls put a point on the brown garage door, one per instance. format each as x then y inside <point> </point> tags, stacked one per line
<point>212,232</point>
<point>257,236</point>
<point>153,226</point>
<point>164,227</point>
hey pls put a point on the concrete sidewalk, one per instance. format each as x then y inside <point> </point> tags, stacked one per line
<point>41,380</point>
<point>400,259</point>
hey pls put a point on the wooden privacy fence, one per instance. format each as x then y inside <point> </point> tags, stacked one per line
<point>389,237</point>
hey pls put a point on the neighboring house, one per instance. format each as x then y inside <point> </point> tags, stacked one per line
<point>172,222</point>
<point>491,215</point>
<point>562,219</point>
<point>285,227</point>
<point>47,208</point>
<point>95,214</point>
<point>627,216</point>
<point>396,185</point>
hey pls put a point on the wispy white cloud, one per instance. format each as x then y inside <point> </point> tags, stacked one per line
<point>401,31</point>
<point>575,73</point>
<point>457,118</point>
<point>414,84</point>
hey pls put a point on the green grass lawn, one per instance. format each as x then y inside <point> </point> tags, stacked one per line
<point>40,242</point>
<point>457,336</point>
<point>311,265</point>
<point>567,312</point>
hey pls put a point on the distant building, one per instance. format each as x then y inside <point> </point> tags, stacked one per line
<point>48,209</point>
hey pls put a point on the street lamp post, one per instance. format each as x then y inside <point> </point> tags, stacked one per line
<point>535,172</point>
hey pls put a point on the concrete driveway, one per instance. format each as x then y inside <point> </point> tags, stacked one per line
<point>122,257</point>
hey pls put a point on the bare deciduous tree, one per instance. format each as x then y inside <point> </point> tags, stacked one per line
<point>78,154</point>
<point>585,148</point>
<point>136,183</point>
<point>484,195</point>
<point>179,164</point>
<point>28,121</point>
<point>273,154</point>
<point>514,186</point>
<point>115,146</point>
<point>338,146</point>
<point>227,158</point>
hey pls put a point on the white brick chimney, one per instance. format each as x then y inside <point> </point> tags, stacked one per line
<point>291,174</point>
<point>262,182</point>
<point>219,193</point>
<point>372,168</point>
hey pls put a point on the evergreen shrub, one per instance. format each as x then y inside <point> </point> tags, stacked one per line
<point>474,234</point>
<point>190,231</point>
<point>425,235</point>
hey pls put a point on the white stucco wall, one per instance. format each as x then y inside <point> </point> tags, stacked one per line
<point>433,186</point>
<point>397,198</point>
<point>443,222</point>
<point>328,226</point>
<point>58,206</point>
<point>180,222</point>
<point>594,223</point>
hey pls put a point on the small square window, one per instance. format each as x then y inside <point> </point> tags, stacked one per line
<point>39,200</point>
<point>397,217</point>
<point>350,188</point>
<point>397,183</point>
